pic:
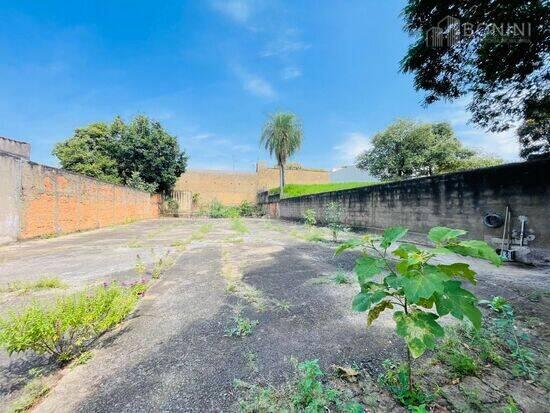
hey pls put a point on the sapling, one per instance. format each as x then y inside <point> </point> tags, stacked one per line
<point>333,217</point>
<point>310,218</point>
<point>422,291</point>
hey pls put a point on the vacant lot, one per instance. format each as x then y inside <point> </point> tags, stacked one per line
<point>184,350</point>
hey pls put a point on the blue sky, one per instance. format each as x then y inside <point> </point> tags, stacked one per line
<point>211,71</point>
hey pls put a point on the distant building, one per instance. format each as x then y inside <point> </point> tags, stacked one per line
<point>350,174</point>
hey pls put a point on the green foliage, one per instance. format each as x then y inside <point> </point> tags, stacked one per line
<point>238,225</point>
<point>65,328</point>
<point>282,137</point>
<point>311,395</point>
<point>340,277</point>
<point>292,190</point>
<point>306,393</point>
<point>31,394</point>
<point>416,286</point>
<point>452,353</point>
<point>504,73</point>
<point>406,149</point>
<point>243,327</point>
<point>217,210</point>
<point>534,132</point>
<point>511,406</point>
<point>505,327</point>
<point>135,181</point>
<point>310,218</point>
<point>170,206</point>
<point>141,154</point>
<point>90,151</point>
<point>396,380</point>
<point>40,284</point>
<point>246,209</point>
<point>333,218</point>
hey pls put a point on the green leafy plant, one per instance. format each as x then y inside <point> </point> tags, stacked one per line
<point>340,277</point>
<point>511,406</point>
<point>333,218</point>
<point>243,327</point>
<point>311,395</point>
<point>397,380</point>
<point>170,206</point>
<point>310,217</point>
<point>217,210</point>
<point>505,326</point>
<point>67,327</point>
<point>246,209</point>
<point>422,291</point>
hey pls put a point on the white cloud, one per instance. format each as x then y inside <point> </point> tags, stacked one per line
<point>291,72</point>
<point>352,146</point>
<point>238,10</point>
<point>503,144</point>
<point>287,43</point>
<point>254,83</point>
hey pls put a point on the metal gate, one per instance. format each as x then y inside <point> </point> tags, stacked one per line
<point>184,200</point>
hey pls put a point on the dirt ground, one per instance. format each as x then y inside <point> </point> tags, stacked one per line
<point>173,354</point>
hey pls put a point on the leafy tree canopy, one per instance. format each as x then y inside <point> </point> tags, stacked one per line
<point>407,148</point>
<point>141,154</point>
<point>505,68</point>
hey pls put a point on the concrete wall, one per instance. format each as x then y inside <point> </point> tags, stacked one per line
<point>37,200</point>
<point>458,200</point>
<point>231,188</point>
<point>21,149</point>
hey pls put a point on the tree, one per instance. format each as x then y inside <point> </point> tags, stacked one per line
<point>90,151</point>
<point>534,132</point>
<point>421,290</point>
<point>142,154</point>
<point>282,136</point>
<point>145,147</point>
<point>407,148</point>
<point>496,52</point>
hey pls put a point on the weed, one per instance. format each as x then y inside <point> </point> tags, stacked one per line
<point>472,397</point>
<point>282,305</point>
<point>162,264</point>
<point>243,327</point>
<point>234,240</point>
<point>83,358</point>
<point>31,394</point>
<point>141,267</point>
<point>309,216</point>
<point>238,225</point>
<point>510,406</point>
<point>135,243</point>
<point>506,329</point>
<point>333,217</point>
<point>306,393</point>
<point>179,244</point>
<point>251,362</point>
<point>67,327</point>
<point>452,353</point>
<point>396,380</point>
<point>41,284</point>
<point>340,277</point>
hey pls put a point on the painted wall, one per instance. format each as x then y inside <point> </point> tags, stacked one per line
<point>231,188</point>
<point>37,200</point>
<point>18,148</point>
<point>457,200</point>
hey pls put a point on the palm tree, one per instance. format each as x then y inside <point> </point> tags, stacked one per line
<point>282,136</point>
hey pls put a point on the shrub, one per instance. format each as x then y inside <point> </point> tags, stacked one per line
<point>416,286</point>
<point>246,209</point>
<point>333,217</point>
<point>67,327</point>
<point>309,216</point>
<point>170,206</point>
<point>217,210</point>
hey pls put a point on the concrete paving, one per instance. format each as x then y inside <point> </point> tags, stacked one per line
<point>173,354</point>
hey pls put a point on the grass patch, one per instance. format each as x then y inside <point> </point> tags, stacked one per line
<point>67,327</point>
<point>82,359</point>
<point>306,393</point>
<point>340,277</point>
<point>135,243</point>
<point>41,284</point>
<point>292,190</point>
<point>32,393</point>
<point>239,226</point>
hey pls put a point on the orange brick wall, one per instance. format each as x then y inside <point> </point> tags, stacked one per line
<point>54,201</point>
